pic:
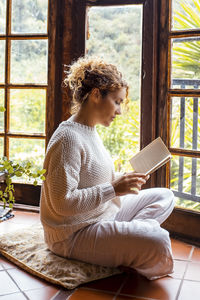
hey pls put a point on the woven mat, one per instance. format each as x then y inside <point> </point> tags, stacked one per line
<point>26,248</point>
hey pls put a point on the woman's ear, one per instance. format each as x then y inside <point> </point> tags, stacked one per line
<point>95,95</point>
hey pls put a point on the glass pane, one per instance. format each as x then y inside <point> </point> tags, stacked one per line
<point>29,16</point>
<point>32,150</point>
<point>1,146</point>
<point>185,14</point>
<point>1,113</point>
<point>185,63</point>
<point>120,43</point>
<point>27,110</point>
<point>2,61</point>
<point>185,123</point>
<point>185,181</point>
<point>2,16</point>
<point>29,61</point>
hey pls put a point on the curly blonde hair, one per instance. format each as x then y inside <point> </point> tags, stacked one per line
<point>91,72</point>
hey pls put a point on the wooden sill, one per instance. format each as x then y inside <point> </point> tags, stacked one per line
<point>184,224</point>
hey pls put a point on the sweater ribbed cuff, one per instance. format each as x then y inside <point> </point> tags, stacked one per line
<point>108,192</point>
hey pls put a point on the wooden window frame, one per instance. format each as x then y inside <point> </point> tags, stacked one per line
<point>183,223</point>
<point>24,193</point>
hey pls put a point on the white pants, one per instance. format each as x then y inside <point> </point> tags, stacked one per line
<point>133,239</point>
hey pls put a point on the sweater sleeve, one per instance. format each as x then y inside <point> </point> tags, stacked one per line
<point>63,179</point>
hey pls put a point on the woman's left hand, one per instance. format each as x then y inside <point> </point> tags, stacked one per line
<point>129,183</point>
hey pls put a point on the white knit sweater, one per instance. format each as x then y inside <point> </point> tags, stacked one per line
<point>77,190</point>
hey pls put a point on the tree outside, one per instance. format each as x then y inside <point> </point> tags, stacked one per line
<point>120,43</point>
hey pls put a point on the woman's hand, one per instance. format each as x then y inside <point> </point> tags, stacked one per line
<point>129,183</point>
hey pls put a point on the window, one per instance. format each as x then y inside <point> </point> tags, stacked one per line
<point>23,83</point>
<point>120,43</point>
<point>179,109</point>
<point>184,104</point>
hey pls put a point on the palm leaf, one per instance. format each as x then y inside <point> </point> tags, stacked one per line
<point>193,15</point>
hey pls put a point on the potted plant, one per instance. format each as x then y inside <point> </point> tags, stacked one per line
<point>9,169</point>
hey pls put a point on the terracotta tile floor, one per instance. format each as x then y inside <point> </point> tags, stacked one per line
<point>184,284</point>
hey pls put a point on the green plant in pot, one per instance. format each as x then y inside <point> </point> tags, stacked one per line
<point>9,169</point>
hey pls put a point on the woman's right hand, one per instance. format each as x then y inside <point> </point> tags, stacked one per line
<point>129,183</point>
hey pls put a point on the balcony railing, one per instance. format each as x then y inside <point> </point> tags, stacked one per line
<point>192,84</point>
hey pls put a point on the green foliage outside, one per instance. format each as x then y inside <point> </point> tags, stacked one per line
<point>32,102</point>
<point>185,14</point>
<point>185,65</point>
<point>120,43</point>
<point>29,16</point>
<point>122,136</point>
<point>116,35</point>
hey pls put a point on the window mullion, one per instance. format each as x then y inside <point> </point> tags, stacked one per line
<point>7,76</point>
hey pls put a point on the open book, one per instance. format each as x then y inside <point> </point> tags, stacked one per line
<point>150,158</point>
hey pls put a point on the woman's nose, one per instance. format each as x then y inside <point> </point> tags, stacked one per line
<point>118,111</point>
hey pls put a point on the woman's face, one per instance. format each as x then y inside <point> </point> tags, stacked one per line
<point>110,106</point>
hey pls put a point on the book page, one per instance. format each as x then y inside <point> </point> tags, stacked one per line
<point>151,157</point>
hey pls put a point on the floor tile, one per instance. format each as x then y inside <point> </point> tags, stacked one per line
<point>190,290</point>
<point>6,264</point>
<point>15,296</point>
<point>111,284</point>
<point>179,268</point>
<point>196,254</point>
<point>180,250</point>
<point>63,294</point>
<point>25,281</point>
<point>163,289</point>
<point>7,285</point>
<point>193,272</point>
<point>84,294</point>
<point>129,298</point>
<point>42,294</point>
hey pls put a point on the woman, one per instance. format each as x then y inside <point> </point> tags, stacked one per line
<point>87,211</point>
